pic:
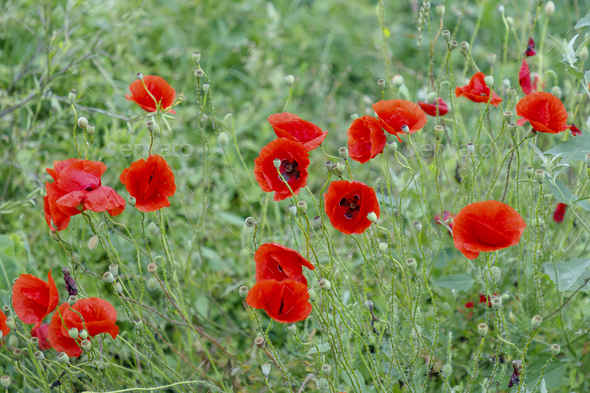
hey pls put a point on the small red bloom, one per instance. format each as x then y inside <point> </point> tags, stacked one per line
<point>42,333</point>
<point>366,139</point>
<point>277,262</point>
<point>3,327</point>
<point>486,226</point>
<point>284,301</point>
<point>394,114</point>
<point>524,78</point>
<point>160,89</point>
<point>150,182</point>
<point>478,91</point>
<point>99,317</point>
<point>347,205</point>
<point>544,111</point>
<point>575,130</point>
<point>447,219</point>
<point>530,50</point>
<point>290,126</point>
<point>294,162</point>
<point>559,213</point>
<point>430,108</point>
<point>77,187</point>
<point>469,305</point>
<point>33,299</point>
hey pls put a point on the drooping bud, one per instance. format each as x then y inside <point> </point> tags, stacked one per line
<point>108,278</point>
<point>243,291</point>
<point>139,324</point>
<point>539,175</point>
<point>501,9</point>
<point>72,96</point>
<point>343,151</point>
<point>72,300</point>
<point>317,222</point>
<point>62,357</point>
<point>411,264</point>
<point>354,116</point>
<point>152,284</point>
<point>152,268</point>
<point>369,305</point>
<point>584,54</point>
<point>150,125</point>
<point>324,284</point>
<point>405,129</point>
<point>510,21</point>
<point>482,329</point>
<point>302,207</point>
<point>266,369</point>
<point>311,293</point>
<point>392,145</point>
<point>555,349</point>
<point>536,321</point>
<point>250,222</point>
<point>131,200</point>
<point>328,165</point>
<point>118,288</point>
<point>223,139</point>
<point>447,370</point>
<point>397,80</point>
<point>13,341</point>
<point>292,328</point>
<point>259,342</point>
<point>139,76</point>
<point>82,122</point>
<point>372,217</point>
<point>556,91</point>
<point>290,79</point>
<point>73,333</point>
<point>417,226</point>
<point>549,8</point>
<point>491,59</point>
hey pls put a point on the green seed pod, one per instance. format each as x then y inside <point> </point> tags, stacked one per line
<point>439,131</point>
<point>73,332</point>
<point>292,328</point>
<point>12,341</point>
<point>539,175</point>
<point>326,368</point>
<point>302,207</point>
<point>250,222</point>
<point>11,323</point>
<point>243,291</point>
<point>17,353</point>
<point>152,268</point>
<point>132,201</point>
<point>290,79</point>
<point>197,57</point>
<point>497,302</point>
<point>62,357</point>
<point>86,345</point>
<point>529,171</point>
<point>482,329</point>
<point>108,278</point>
<point>82,122</point>
<point>72,300</point>
<point>446,35</point>
<point>114,269</point>
<point>556,91</point>
<point>152,284</point>
<point>411,264</point>
<point>555,349</point>
<point>5,381</point>
<point>536,321</point>
<point>83,334</point>
<point>343,151</point>
<point>383,246</point>
<point>72,96</point>
<point>39,356</point>
<point>324,284</point>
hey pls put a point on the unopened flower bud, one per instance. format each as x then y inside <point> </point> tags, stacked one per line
<point>341,166</point>
<point>293,209</point>
<point>139,76</point>
<point>139,324</point>
<point>118,288</point>
<point>266,369</point>
<point>405,129</point>
<point>323,385</point>
<point>277,163</point>
<point>372,217</point>
<point>197,57</point>
<point>584,54</point>
<point>317,222</point>
<point>302,207</point>
<point>292,328</point>
<point>506,82</point>
<point>381,84</point>
<point>11,323</point>
<point>311,293</point>
<point>290,79</point>
<point>392,145</point>
<point>492,59</point>
<point>555,349</point>
<point>397,80</point>
<point>411,263</point>
<point>92,242</point>
<point>489,80</point>
<point>328,165</point>
<point>13,341</point>
<point>556,91</point>
<point>383,246</point>
<point>85,344</point>
<point>417,226</point>
<point>549,8</point>
<point>497,302</point>
<point>326,368</point>
<point>577,98</point>
<point>431,97</point>
<point>482,329</point>
<point>531,133</point>
<point>536,321</point>
<point>501,9</point>
<point>83,123</point>
<point>152,284</point>
<point>259,342</point>
<point>250,222</point>
<point>72,96</point>
<point>73,333</point>
<point>62,357</point>
<point>72,300</point>
<point>453,44</point>
<point>152,268</point>
<point>108,278</point>
<point>464,46</point>
<point>529,171</point>
<point>539,175</point>
<point>343,151</point>
<point>5,381</point>
<point>354,116</point>
<point>223,139</point>
<point>131,200</point>
<point>243,291</point>
<point>83,334</point>
<point>324,284</point>
<point>39,356</point>
<point>199,73</point>
<point>369,305</point>
<point>446,35</point>
<point>439,131</point>
<point>447,370</point>
<point>440,10</point>
<point>510,21</point>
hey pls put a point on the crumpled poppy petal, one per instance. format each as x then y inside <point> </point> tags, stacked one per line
<point>290,126</point>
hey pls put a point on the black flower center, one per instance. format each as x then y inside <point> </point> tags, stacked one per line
<point>290,170</point>
<point>352,206</point>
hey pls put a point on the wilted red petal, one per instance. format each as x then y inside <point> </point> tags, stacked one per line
<point>160,89</point>
<point>290,126</point>
<point>277,262</point>
<point>33,299</point>
<point>575,130</point>
<point>366,139</point>
<point>530,50</point>
<point>347,205</point>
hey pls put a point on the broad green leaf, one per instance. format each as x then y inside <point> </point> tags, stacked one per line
<point>585,21</point>
<point>458,282</point>
<point>567,272</point>
<point>543,386</point>
<point>580,143</point>
<point>324,347</point>
<point>563,195</point>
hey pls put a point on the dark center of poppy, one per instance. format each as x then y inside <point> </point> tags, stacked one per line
<point>281,308</point>
<point>280,268</point>
<point>290,170</point>
<point>89,188</point>
<point>151,177</point>
<point>352,206</point>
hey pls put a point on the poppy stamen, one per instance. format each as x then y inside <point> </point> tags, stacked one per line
<point>352,205</point>
<point>290,169</point>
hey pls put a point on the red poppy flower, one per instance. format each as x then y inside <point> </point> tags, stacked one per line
<point>77,187</point>
<point>294,162</point>
<point>33,299</point>
<point>486,226</point>
<point>290,126</point>
<point>3,327</point>
<point>446,219</point>
<point>559,213</point>
<point>284,301</point>
<point>347,205</point>
<point>575,130</point>
<point>42,333</point>
<point>544,111</point>
<point>530,50</point>
<point>99,317</point>
<point>478,91</point>
<point>524,78</point>
<point>394,114</point>
<point>366,139</point>
<point>150,182</point>
<point>469,305</point>
<point>484,299</point>
<point>430,108</point>
<point>160,89</point>
<point>277,262</point>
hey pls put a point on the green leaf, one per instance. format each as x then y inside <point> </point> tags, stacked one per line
<point>580,143</point>
<point>567,272</point>
<point>386,32</point>
<point>458,282</point>
<point>543,386</point>
<point>560,191</point>
<point>585,21</point>
<point>325,347</point>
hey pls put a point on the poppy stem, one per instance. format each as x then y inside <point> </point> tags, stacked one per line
<point>74,130</point>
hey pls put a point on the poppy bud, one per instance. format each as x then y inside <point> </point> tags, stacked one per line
<point>302,207</point>
<point>293,209</point>
<point>577,99</point>
<point>539,175</point>
<point>343,151</point>
<point>266,369</point>
<point>118,288</point>
<point>340,166</point>
<point>549,8</point>
<point>83,123</point>
<point>417,226</point>
<point>489,80</point>
<point>406,129</point>
<point>446,35</point>
<point>588,159</point>
<point>39,356</point>
<point>501,9</point>
<point>326,368</point>
<point>482,329</point>
<point>17,353</point>
<point>132,201</point>
<point>497,302</point>
<point>34,341</point>
<point>324,284</point>
<point>584,54</point>
<point>323,385</point>
<point>397,80</point>
<point>555,349</point>
<point>411,264</point>
<point>199,73</point>
<point>197,57</point>
<point>508,116</point>
<point>431,97</point>
<point>372,217</point>
<point>114,269</point>
<point>536,321</point>
<point>62,357</point>
<point>11,323</point>
<point>506,82</point>
<point>492,59</point>
<point>440,10</point>
<point>72,300</point>
<point>529,171</point>
<point>290,79</point>
<point>92,242</point>
<point>464,46</point>
<point>311,294</point>
<point>496,273</point>
<point>12,341</point>
<point>392,145</point>
<point>317,222</point>
<point>223,139</point>
<point>152,284</point>
<point>206,88</point>
<point>292,328</point>
<point>439,131</point>
<point>531,133</point>
<point>369,305</point>
<point>447,370</point>
<point>383,246</point>
<point>259,342</point>
<point>5,381</point>
<point>108,278</point>
<point>243,291</point>
<point>328,165</point>
<point>277,163</point>
<point>354,116</point>
<point>73,332</point>
<point>511,91</point>
<point>250,222</point>
<point>152,268</point>
<point>72,96</point>
<point>139,76</point>
<point>556,91</point>
<point>510,21</point>
<point>453,44</point>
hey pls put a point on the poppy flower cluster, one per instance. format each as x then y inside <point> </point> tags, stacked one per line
<point>281,288</point>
